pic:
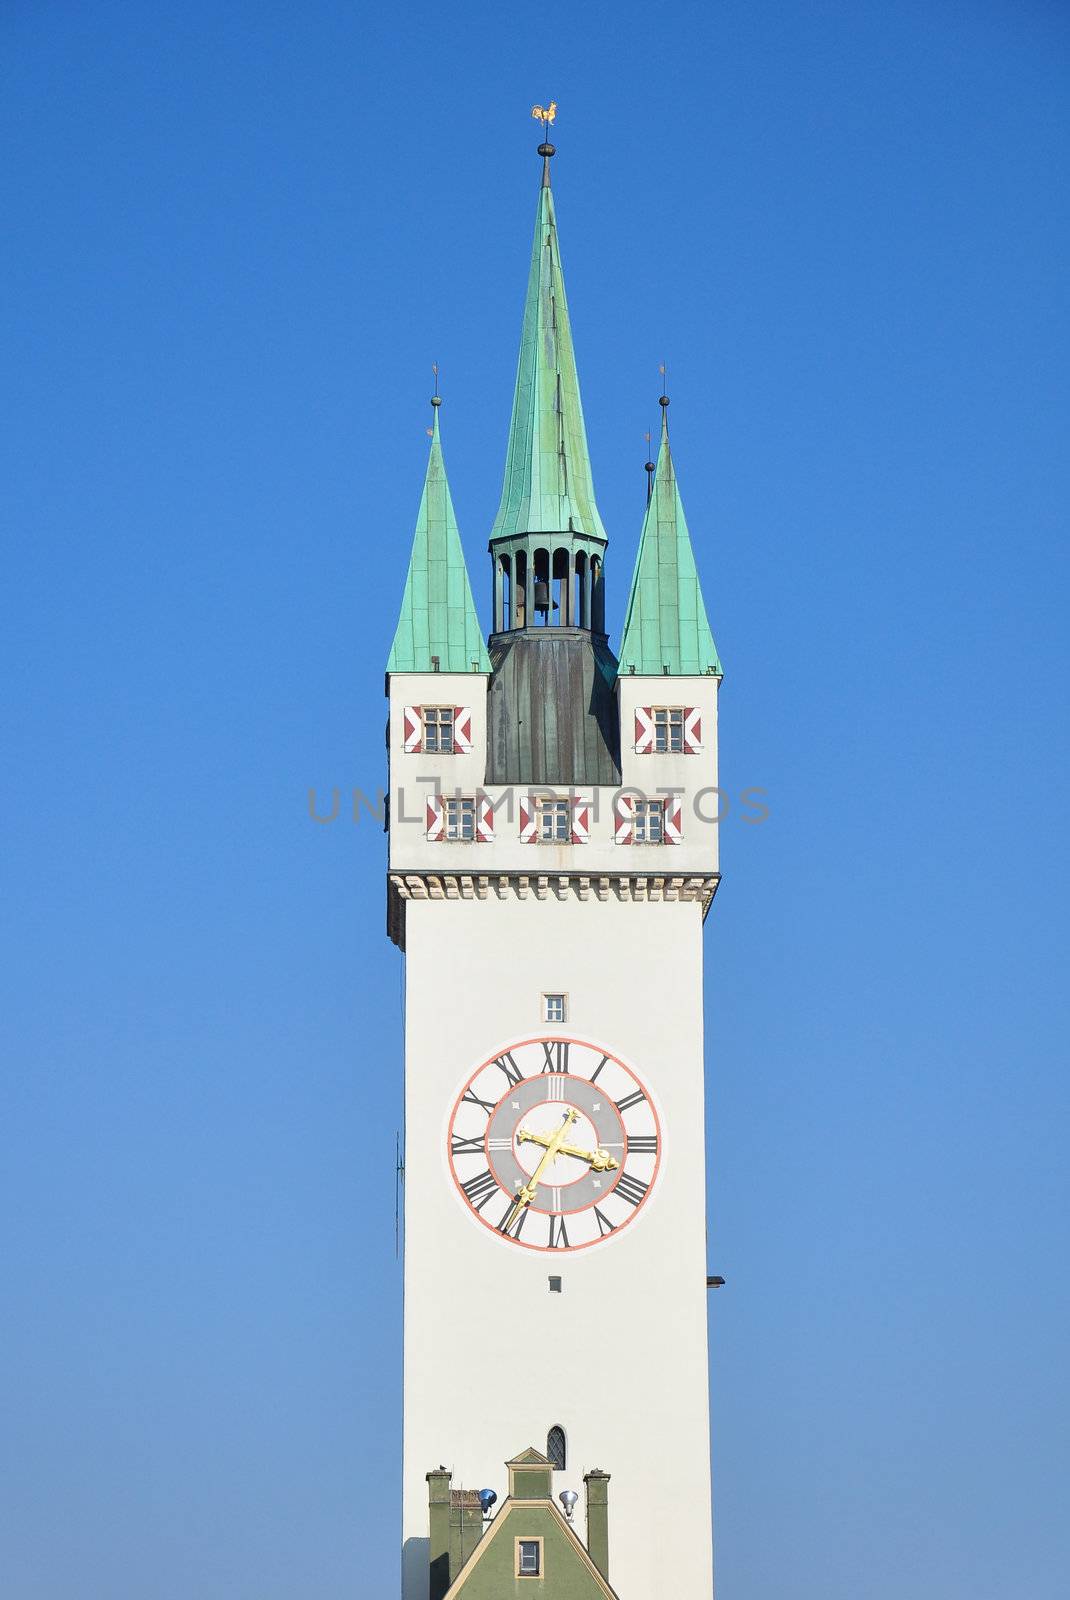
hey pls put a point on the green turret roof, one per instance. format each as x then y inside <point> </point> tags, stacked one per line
<point>438,615</point>
<point>548,486</point>
<point>666,627</point>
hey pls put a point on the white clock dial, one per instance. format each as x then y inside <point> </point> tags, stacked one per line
<point>554,1144</point>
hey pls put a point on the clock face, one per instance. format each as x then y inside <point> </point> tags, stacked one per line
<point>554,1144</point>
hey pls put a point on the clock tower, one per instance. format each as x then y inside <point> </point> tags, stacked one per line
<point>552,858</point>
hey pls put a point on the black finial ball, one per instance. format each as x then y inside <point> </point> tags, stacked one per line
<point>650,467</point>
<point>436,399</point>
<point>547,150</point>
<point>663,400</point>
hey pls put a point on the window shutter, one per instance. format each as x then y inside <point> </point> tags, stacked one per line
<point>624,829</point>
<point>692,731</point>
<point>581,820</point>
<point>414,730</point>
<point>529,827</point>
<point>462,729</point>
<point>436,816</point>
<point>484,820</point>
<point>644,730</point>
<point>674,809</point>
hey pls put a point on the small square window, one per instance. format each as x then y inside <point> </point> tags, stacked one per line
<point>554,1008</point>
<point>649,822</point>
<point>555,1285</point>
<point>555,822</point>
<point>438,729</point>
<point>460,817</point>
<point>668,728</point>
<point>529,1558</point>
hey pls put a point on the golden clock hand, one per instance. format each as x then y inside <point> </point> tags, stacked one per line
<point>527,1193</point>
<point>600,1160</point>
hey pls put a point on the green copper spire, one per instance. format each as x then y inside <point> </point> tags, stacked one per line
<point>438,616</point>
<point>666,627</point>
<point>548,486</point>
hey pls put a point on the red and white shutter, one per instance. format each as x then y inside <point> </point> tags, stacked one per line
<point>414,730</point>
<point>692,731</point>
<point>484,820</point>
<point>624,820</point>
<point>462,729</point>
<point>529,822</point>
<point>436,816</point>
<point>673,830</point>
<point>644,730</point>
<point>581,820</point>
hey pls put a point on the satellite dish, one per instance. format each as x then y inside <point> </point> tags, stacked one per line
<point>568,1498</point>
<point>487,1497</point>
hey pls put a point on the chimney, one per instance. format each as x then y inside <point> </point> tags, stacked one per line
<point>438,1494</point>
<point>596,1483</point>
<point>455,1524</point>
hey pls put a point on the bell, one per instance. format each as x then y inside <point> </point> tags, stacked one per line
<point>542,596</point>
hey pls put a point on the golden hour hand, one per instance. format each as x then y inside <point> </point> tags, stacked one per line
<point>553,1142</point>
<point>599,1160</point>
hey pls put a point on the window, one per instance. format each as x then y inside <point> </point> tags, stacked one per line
<point>555,1448</point>
<point>554,1008</point>
<point>438,729</point>
<point>555,1285</point>
<point>649,822</point>
<point>460,817</point>
<point>529,1558</point>
<point>668,728</point>
<point>555,821</point>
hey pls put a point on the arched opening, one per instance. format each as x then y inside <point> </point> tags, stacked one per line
<point>542,602</point>
<point>598,599</point>
<point>556,1453</point>
<point>520,591</point>
<point>581,611</point>
<point>503,595</point>
<point>561,610</point>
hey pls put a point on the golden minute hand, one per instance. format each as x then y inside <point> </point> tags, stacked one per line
<point>553,1144</point>
<point>600,1160</point>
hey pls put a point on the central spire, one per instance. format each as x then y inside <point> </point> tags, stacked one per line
<point>548,486</point>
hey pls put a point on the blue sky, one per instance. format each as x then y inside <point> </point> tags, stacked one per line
<point>237,238</point>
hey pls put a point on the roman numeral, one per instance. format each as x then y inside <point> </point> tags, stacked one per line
<point>643,1144</point>
<point>630,1100</point>
<point>460,1146</point>
<point>604,1224</point>
<point>558,1235</point>
<point>630,1189</point>
<point>556,1053</point>
<point>597,1070</point>
<point>480,1188</point>
<point>470,1098</point>
<point>506,1064</point>
<point>516,1227</point>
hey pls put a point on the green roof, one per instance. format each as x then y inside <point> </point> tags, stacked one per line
<point>548,486</point>
<point>666,627</point>
<point>438,616</point>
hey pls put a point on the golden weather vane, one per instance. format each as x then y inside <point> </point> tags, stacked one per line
<point>545,116</point>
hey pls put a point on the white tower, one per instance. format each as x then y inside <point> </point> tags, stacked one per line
<point>553,853</point>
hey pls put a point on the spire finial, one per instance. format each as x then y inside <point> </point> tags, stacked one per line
<point>663,402</point>
<point>436,401</point>
<point>649,468</point>
<point>545,115</point>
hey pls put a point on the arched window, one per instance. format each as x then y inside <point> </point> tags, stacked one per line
<point>555,1448</point>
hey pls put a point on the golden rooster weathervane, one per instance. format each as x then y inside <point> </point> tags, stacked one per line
<point>545,116</point>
